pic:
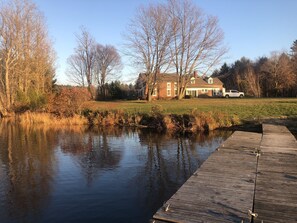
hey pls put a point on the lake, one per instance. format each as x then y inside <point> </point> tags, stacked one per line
<point>76,175</point>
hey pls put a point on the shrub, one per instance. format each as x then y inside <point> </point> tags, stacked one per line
<point>68,100</point>
<point>157,110</point>
<point>32,100</point>
<point>36,100</point>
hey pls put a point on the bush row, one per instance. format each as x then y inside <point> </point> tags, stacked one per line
<point>193,122</point>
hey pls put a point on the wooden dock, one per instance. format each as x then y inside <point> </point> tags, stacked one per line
<point>252,177</point>
<point>276,185</point>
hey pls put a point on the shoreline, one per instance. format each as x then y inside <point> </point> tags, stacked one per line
<point>186,123</point>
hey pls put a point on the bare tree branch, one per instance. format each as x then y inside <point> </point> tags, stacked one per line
<point>27,57</point>
<point>148,41</point>
<point>82,62</point>
<point>107,66</point>
<point>197,41</point>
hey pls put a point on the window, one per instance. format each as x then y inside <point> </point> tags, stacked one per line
<point>155,92</point>
<point>168,89</point>
<point>202,90</point>
<point>210,80</point>
<point>168,92</point>
<point>206,90</point>
<point>192,80</point>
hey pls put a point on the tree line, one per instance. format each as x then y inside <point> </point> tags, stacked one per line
<point>178,37</point>
<point>26,56</point>
<point>273,76</point>
<point>175,36</point>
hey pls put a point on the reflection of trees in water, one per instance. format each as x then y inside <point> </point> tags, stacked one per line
<point>171,161</point>
<point>205,139</point>
<point>29,162</point>
<point>92,151</point>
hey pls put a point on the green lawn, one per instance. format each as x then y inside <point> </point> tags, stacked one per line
<point>245,109</point>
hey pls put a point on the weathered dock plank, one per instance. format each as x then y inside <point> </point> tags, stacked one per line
<point>249,172</point>
<point>276,185</point>
<point>222,190</point>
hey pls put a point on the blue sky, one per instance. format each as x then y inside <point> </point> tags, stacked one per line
<point>252,28</point>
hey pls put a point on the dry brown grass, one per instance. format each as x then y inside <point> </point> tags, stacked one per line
<point>158,119</point>
<point>47,119</point>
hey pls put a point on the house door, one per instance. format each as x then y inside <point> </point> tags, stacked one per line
<point>194,94</point>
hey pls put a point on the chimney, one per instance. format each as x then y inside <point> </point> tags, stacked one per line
<point>195,74</point>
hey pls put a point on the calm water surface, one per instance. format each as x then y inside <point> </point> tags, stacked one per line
<point>93,176</point>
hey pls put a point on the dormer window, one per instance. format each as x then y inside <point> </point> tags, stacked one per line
<point>210,80</point>
<point>193,80</point>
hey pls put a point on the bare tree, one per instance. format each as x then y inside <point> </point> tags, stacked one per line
<point>107,66</point>
<point>197,41</point>
<point>10,42</point>
<point>279,73</point>
<point>148,41</point>
<point>253,81</point>
<point>245,77</point>
<point>76,70</point>
<point>27,58</point>
<point>82,62</point>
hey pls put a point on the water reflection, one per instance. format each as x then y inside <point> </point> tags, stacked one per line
<point>111,175</point>
<point>169,162</point>
<point>28,166</point>
<point>91,151</point>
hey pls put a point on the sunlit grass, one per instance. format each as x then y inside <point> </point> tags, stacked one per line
<point>245,109</point>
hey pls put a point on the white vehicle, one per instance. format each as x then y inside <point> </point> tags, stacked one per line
<point>233,94</point>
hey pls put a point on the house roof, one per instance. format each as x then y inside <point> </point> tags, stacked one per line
<point>199,81</point>
<point>203,82</point>
<point>167,77</point>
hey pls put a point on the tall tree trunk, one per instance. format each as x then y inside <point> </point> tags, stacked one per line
<point>182,87</point>
<point>3,111</point>
<point>7,85</point>
<point>90,91</point>
<point>182,93</point>
<point>149,95</point>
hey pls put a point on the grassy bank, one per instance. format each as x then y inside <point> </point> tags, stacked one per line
<point>190,115</point>
<point>244,109</point>
<point>156,119</point>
